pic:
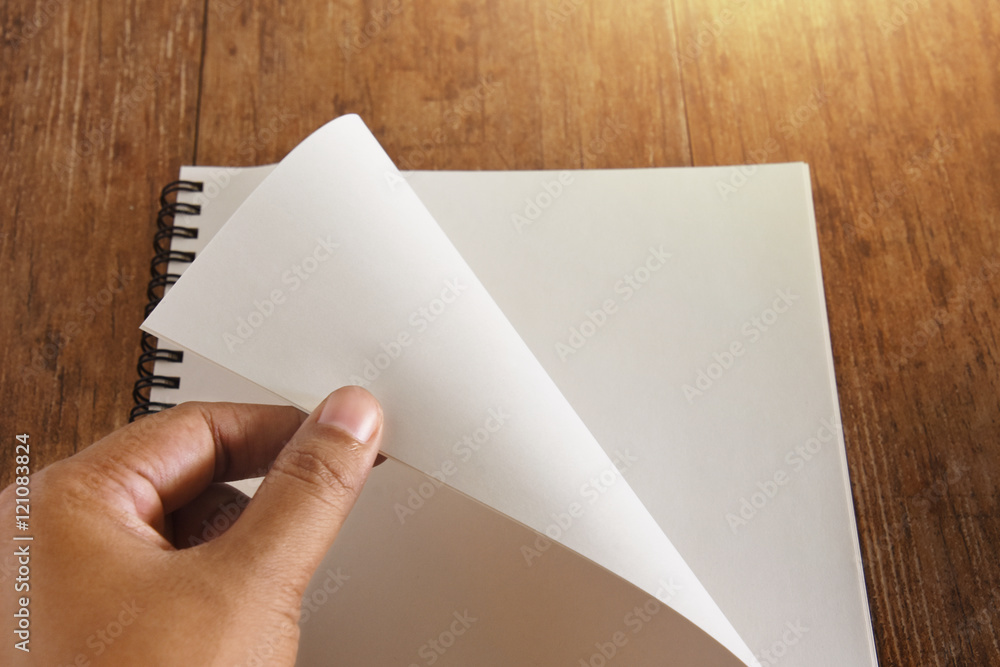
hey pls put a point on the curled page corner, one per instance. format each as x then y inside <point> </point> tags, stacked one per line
<point>333,272</point>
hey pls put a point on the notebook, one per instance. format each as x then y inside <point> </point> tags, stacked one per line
<point>611,410</point>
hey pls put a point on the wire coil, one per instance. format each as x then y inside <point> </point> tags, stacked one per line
<point>160,279</point>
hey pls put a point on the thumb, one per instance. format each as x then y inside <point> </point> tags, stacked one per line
<point>298,510</point>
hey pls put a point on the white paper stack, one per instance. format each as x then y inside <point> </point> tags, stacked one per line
<point>609,398</point>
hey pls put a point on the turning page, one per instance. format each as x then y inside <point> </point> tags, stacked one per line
<point>333,272</point>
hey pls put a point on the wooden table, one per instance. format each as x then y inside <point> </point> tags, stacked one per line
<point>895,106</point>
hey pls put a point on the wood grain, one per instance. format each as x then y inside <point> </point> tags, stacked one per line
<point>99,102</point>
<point>895,106</point>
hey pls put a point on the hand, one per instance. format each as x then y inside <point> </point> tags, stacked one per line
<point>113,578</point>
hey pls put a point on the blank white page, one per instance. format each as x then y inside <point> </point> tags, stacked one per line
<point>790,569</point>
<point>333,271</point>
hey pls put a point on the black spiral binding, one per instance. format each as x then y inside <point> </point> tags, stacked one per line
<point>160,278</point>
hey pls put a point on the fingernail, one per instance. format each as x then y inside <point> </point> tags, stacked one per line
<point>352,410</point>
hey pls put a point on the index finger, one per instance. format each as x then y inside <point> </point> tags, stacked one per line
<point>165,460</point>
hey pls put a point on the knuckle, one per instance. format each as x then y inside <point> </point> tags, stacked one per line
<point>194,416</point>
<point>86,479</point>
<point>323,474</point>
<point>184,418</point>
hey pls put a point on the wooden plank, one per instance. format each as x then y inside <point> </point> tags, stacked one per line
<point>894,107</point>
<point>98,103</point>
<point>447,85</point>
